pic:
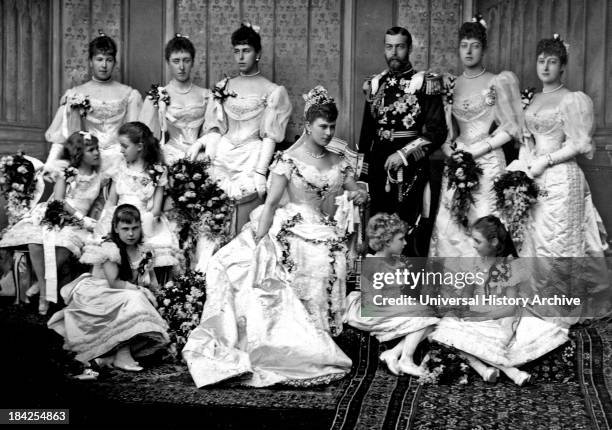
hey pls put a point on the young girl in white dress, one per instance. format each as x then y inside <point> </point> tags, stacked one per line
<point>485,339</point>
<point>386,234</point>
<point>77,188</point>
<point>140,182</point>
<point>110,314</point>
<point>111,104</point>
<point>183,118</point>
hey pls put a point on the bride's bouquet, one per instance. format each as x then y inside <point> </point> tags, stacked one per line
<point>17,184</point>
<point>180,303</point>
<point>201,207</point>
<point>515,195</point>
<point>57,217</point>
<point>464,178</point>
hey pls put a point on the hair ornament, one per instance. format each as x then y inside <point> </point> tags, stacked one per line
<point>101,33</point>
<point>556,36</point>
<point>184,36</point>
<point>255,28</point>
<point>317,96</point>
<point>86,135</point>
<point>479,19</point>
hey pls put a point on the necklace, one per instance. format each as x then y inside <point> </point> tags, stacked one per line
<point>251,75</point>
<point>553,90</point>
<point>484,69</point>
<point>100,81</point>
<point>176,88</point>
<point>315,156</point>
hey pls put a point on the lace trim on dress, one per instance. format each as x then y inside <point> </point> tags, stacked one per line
<point>310,382</point>
<point>544,122</point>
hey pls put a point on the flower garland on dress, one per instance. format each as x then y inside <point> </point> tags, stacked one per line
<point>515,195</point>
<point>158,94</point>
<point>17,183</point>
<point>333,245</point>
<point>464,178</point>
<point>202,208</point>
<point>57,217</point>
<point>181,303</point>
<point>155,172</point>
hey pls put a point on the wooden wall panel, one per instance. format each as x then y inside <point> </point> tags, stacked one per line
<point>24,82</point>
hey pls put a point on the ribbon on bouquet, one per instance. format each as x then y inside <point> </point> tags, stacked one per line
<point>49,239</point>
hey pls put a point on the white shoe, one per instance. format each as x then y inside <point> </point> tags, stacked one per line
<point>33,290</point>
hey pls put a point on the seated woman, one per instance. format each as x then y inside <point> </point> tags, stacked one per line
<point>78,188</point>
<point>183,117</point>
<point>386,234</point>
<point>99,106</point>
<point>109,312</point>
<point>276,292</point>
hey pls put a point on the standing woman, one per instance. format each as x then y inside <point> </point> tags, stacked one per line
<point>560,124</point>
<point>99,106</point>
<point>480,100</point>
<point>183,117</point>
<point>245,120</point>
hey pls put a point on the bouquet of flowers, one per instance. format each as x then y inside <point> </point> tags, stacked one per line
<point>464,177</point>
<point>526,96</point>
<point>56,216</point>
<point>180,303</point>
<point>157,93</point>
<point>202,208</point>
<point>515,195</point>
<point>445,366</point>
<point>17,183</point>
<point>220,91</point>
<point>80,103</point>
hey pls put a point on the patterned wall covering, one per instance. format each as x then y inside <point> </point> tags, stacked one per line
<point>301,42</point>
<point>81,20</point>
<point>434,25</point>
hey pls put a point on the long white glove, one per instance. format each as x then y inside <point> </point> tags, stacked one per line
<point>263,162</point>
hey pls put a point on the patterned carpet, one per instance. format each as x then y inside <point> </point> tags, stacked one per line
<point>37,374</point>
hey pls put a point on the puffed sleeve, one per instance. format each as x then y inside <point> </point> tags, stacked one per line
<point>214,118</point>
<point>149,115</point>
<point>508,108</point>
<point>276,115</point>
<point>101,253</point>
<point>134,106</point>
<point>65,122</point>
<point>281,165</point>
<point>578,120</point>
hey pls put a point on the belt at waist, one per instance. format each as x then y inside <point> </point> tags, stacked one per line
<point>392,135</point>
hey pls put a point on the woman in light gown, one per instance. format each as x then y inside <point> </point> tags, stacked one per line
<point>110,314</point>
<point>112,104</point>
<point>77,188</point>
<point>245,119</point>
<point>141,182</point>
<point>183,118</point>
<point>480,100</point>
<point>275,294</point>
<point>386,234</point>
<point>564,230</point>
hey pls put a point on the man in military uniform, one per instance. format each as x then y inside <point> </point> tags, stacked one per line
<point>403,124</point>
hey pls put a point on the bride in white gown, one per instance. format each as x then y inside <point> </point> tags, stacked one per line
<point>275,294</point>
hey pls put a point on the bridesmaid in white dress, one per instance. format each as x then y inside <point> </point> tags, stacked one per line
<point>112,104</point>
<point>183,118</point>
<point>276,292</point>
<point>244,126</point>
<point>480,100</point>
<point>564,231</point>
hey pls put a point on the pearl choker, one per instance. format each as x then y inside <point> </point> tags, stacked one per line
<point>315,156</point>
<point>100,81</point>
<point>484,69</point>
<point>251,75</point>
<point>176,88</point>
<point>553,90</point>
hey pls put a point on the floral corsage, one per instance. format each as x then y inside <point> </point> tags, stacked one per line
<point>158,94</point>
<point>220,91</point>
<point>80,103</point>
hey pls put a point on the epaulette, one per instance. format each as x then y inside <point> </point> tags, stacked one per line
<point>432,84</point>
